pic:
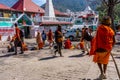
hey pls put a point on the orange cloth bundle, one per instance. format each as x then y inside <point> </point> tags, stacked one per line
<point>82,44</point>
<point>24,45</point>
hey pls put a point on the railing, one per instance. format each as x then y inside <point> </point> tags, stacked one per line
<point>46,19</point>
<point>7,19</point>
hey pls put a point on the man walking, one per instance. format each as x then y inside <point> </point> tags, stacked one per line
<point>58,40</point>
<point>18,42</point>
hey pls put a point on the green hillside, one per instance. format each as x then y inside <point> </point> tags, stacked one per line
<point>75,5</point>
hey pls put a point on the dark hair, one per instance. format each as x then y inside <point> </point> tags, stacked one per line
<point>106,21</point>
<point>15,24</point>
<point>59,28</point>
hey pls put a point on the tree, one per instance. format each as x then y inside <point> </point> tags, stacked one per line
<point>110,9</point>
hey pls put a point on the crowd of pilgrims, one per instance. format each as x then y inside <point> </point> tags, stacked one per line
<point>98,43</point>
<point>55,40</point>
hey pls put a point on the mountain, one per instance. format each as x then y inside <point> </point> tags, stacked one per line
<point>75,5</point>
<point>63,5</point>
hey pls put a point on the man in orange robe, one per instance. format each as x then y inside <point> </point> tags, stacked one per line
<point>17,41</point>
<point>102,45</point>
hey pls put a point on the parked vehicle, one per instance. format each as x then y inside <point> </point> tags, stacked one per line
<point>117,36</point>
<point>71,33</point>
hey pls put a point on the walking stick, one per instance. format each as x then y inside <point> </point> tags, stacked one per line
<point>116,66</point>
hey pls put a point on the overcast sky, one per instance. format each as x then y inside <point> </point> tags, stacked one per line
<point>39,2</point>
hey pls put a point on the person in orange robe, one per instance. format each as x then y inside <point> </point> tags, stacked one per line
<point>18,41</point>
<point>39,41</point>
<point>50,38</point>
<point>102,45</point>
<point>68,44</point>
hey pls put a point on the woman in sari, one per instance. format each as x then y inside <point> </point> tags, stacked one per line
<point>102,45</point>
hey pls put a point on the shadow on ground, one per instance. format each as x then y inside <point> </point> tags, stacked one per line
<point>79,55</point>
<point>92,79</point>
<point>7,55</point>
<point>117,57</point>
<point>48,58</point>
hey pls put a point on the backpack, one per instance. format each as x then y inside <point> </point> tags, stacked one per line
<point>88,37</point>
<point>21,33</point>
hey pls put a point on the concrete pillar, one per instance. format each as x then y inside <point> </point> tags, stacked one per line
<point>49,10</point>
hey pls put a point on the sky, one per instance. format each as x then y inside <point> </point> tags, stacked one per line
<point>39,2</point>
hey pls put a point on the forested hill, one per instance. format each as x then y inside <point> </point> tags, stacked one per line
<point>75,5</point>
<point>62,5</point>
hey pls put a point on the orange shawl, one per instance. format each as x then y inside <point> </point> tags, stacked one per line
<point>17,33</point>
<point>103,39</point>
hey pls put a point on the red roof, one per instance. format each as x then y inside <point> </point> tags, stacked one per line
<point>27,6</point>
<point>85,16</point>
<point>54,23</point>
<point>58,13</point>
<point>4,7</point>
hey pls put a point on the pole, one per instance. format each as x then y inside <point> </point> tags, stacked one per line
<point>116,66</point>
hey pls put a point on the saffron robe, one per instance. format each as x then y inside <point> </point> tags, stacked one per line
<point>50,37</point>
<point>104,40</point>
<point>67,44</point>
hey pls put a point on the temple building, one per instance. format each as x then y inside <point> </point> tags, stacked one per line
<point>31,18</point>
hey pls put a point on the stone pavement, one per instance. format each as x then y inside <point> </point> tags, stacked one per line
<point>41,65</point>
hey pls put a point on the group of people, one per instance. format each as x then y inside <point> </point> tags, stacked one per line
<point>41,38</point>
<point>99,44</point>
<point>51,38</point>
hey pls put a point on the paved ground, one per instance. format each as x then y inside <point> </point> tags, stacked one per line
<point>41,65</point>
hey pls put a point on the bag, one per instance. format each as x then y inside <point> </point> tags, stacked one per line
<point>55,47</point>
<point>21,33</point>
<point>88,37</point>
<point>60,39</point>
